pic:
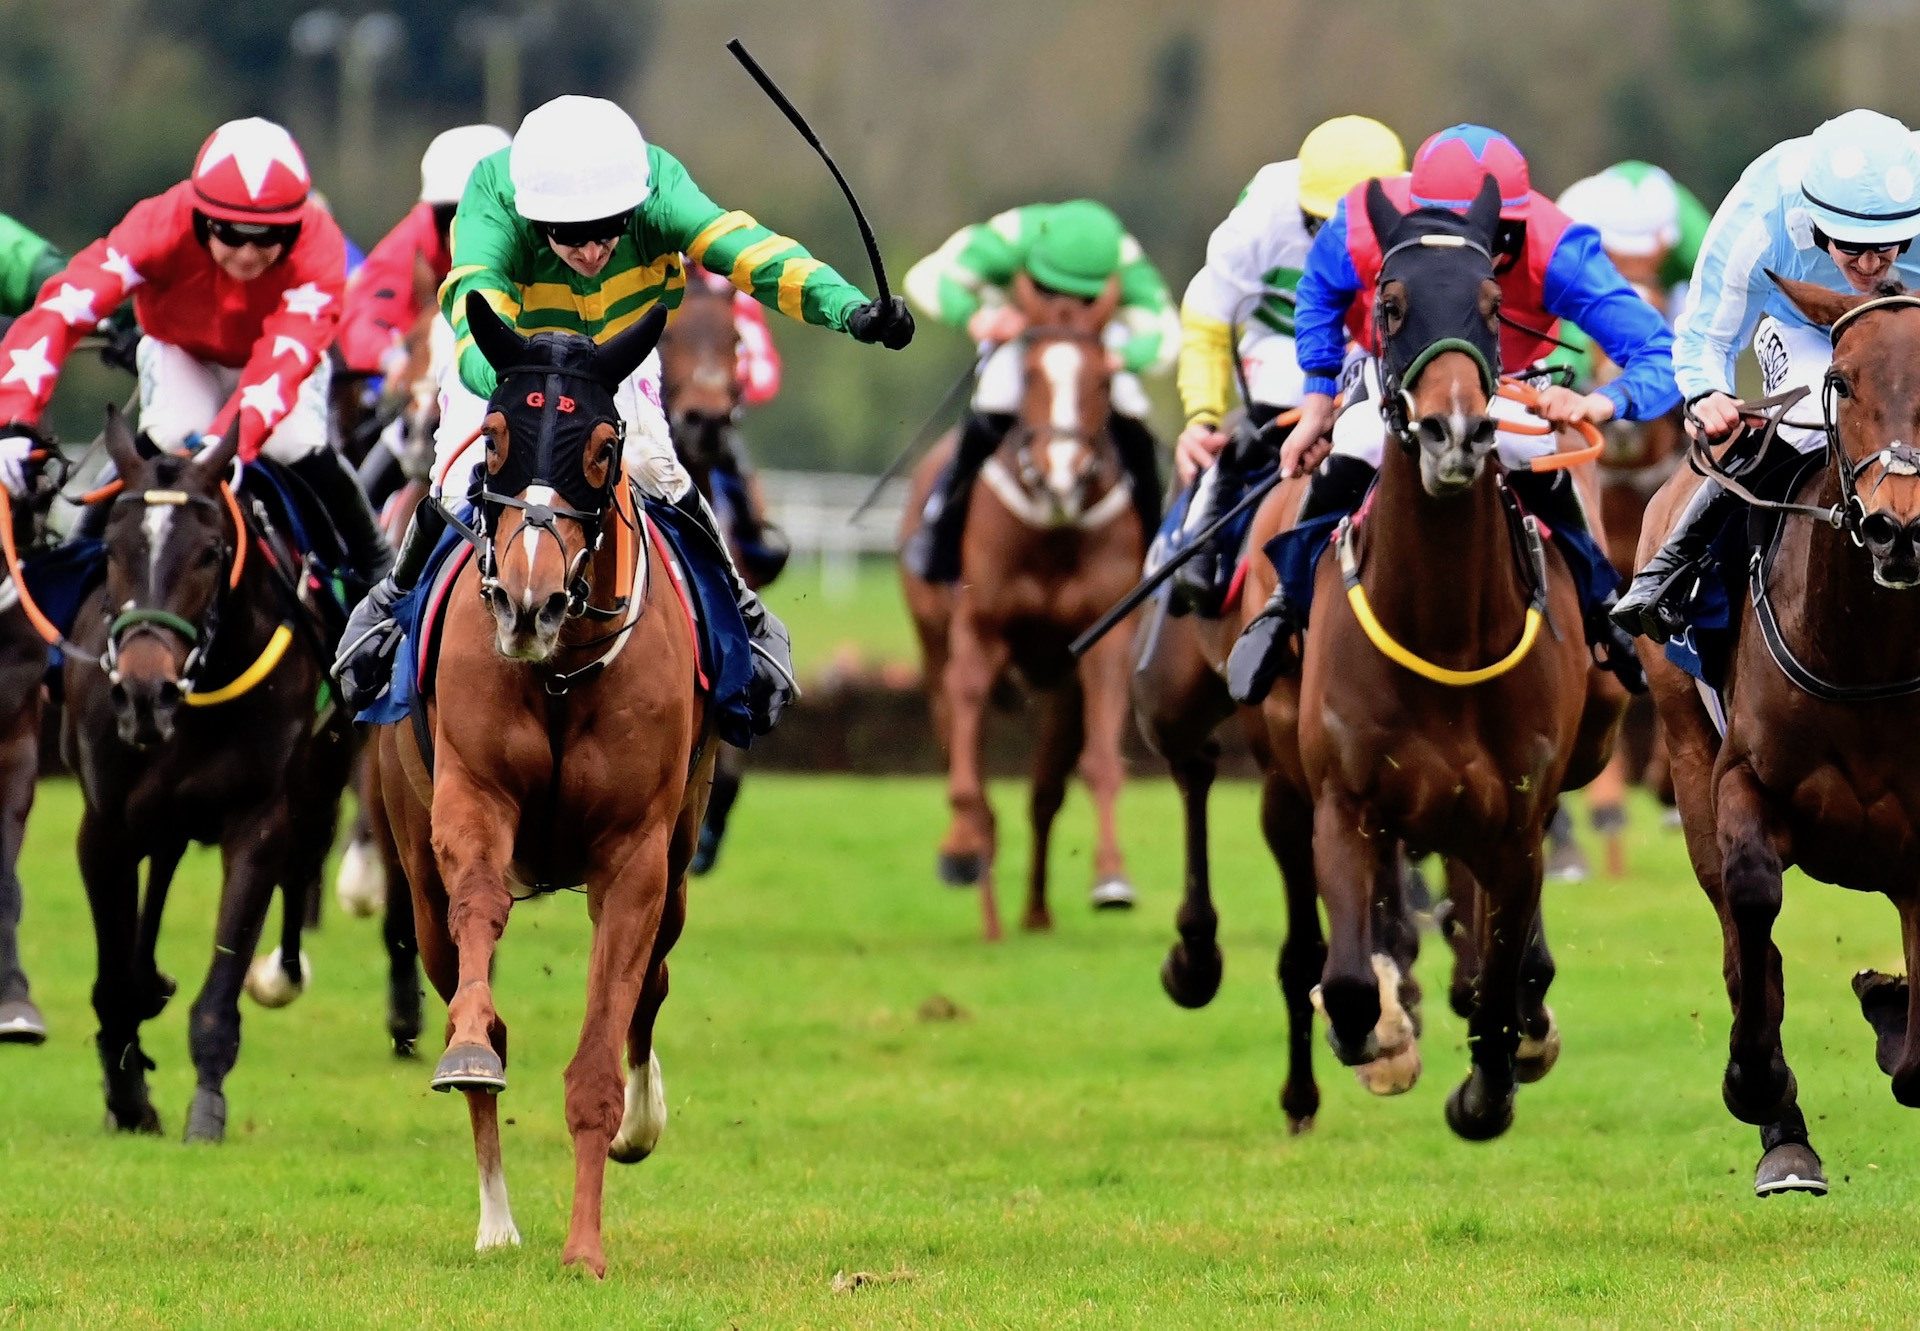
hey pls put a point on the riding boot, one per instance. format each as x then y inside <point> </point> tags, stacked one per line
<point>1140,455</point>
<point>364,663</point>
<point>325,472</point>
<point>1200,584</point>
<point>1264,651</point>
<point>932,553</point>
<point>1655,601</point>
<point>773,685</point>
<point>1555,500</point>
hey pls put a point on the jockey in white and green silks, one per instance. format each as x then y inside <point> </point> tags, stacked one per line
<point>1076,249</point>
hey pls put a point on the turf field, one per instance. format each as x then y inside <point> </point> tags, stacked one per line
<point>876,1121</point>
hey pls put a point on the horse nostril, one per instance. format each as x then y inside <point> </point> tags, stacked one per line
<point>117,694</point>
<point>169,694</point>
<point>555,608</point>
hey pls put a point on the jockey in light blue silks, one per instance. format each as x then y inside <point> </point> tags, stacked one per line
<point>1839,208</point>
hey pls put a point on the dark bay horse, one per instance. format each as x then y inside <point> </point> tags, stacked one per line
<point>1052,540</point>
<point>1822,696</point>
<point>191,715</point>
<point>1446,694</point>
<point>566,750</point>
<point>701,393</point>
<point>23,670</point>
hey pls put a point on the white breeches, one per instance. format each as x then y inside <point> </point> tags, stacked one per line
<point>1794,356</point>
<point>181,394</point>
<point>1003,384</point>
<point>649,454</point>
<point>1360,431</point>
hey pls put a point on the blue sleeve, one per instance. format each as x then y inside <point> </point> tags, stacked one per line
<point>1584,287</point>
<point>1325,293</point>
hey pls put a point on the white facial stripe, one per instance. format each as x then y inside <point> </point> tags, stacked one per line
<point>1061,456</point>
<point>1061,363</point>
<point>530,537</point>
<point>158,521</point>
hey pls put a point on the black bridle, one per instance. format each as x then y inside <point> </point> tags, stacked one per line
<point>1396,398</point>
<point>156,621</point>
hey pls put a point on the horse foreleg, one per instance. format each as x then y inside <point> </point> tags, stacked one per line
<point>397,931</point>
<point>1758,1083</point>
<point>1396,947</point>
<point>1481,1107</point>
<point>1103,675</point>
<point>20,1020</point>
<point>1459,921</point>
<point>110,871</point>
<point>629,906</point>
<point>967,853</point>
<point>1906,1069</point>
<point>1539,1046</point>
<point>1347,858</point>
<point>1061,736</point>
<point>472,846</point>
<point>1287,823</point>
<point>1191,972</point>
<point>645,1115</point>
<point>253,858</point>
<point>1607,811</point>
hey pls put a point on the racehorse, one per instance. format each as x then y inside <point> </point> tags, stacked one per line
<point>1820,700</point>
<point>1436,708</point>
<point>191,687</point>
<point>23,670</point>
<point>701,393</point>
<point>572,754</point>
<point>1051,541</point>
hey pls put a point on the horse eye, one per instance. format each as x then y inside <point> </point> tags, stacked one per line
<point>1841,388</point>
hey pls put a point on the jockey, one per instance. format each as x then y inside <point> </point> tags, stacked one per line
<point>1840,208</point>
<point>1650,225</point>
<point>27,260</point>
<point>380,297</point>
<point>1254,260</point>
<point>1075,249</point>
<point>236,276</point>
<point>583,226</point>
<point>1549,268</point>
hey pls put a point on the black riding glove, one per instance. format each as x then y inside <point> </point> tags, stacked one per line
<point>888,322</point>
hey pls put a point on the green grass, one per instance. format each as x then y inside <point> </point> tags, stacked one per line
<point>858,621</point>
<point>1071,1151</point>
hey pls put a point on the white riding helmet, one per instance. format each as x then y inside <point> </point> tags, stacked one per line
<point>1637,213</point>
<point>1862,179</point>
<point>578,159</point>
<point>451,157</point>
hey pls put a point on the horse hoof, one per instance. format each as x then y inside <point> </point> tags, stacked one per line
<point>590,1258</point>
<point>360,885</point>
<point>145,1120</point>
<point>1299,1127</point>
<point>470,1067</point>
<point>1191,977</point>
<point>963,869</point>
<point>1478,1126</point>
<point>1114,893</point>
<point>207,1117</point>
<point>1534,1058</point>
<point>645,1117</point>
<point>405,1046</point>
<point>1037,922</point>
<point>1789,1167</point>
<point>21,1023</point>
<point>269,984</point>
<point>1392,1073</point>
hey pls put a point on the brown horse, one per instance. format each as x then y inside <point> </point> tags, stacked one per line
<point>571,753</point>
<point>1052,541</point>
<point>1821,699</point>
<point>1435,708</point>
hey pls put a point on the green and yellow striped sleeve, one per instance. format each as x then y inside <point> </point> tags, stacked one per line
<point>487,248</point>
<point>775,270</point>
<point>1146,311</point>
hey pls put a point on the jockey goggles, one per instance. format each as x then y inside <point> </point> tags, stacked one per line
<point>1855,248</point>
<point>258,234</point>
<point>600,231</point>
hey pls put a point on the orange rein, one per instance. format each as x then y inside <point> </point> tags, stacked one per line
<point>1529,397</point>
<point>49,632</point>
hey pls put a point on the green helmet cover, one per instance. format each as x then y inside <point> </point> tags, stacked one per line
<point>1077,249</point>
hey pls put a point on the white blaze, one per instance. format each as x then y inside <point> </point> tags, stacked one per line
<point>1061,363</point>
<point>530,536</point>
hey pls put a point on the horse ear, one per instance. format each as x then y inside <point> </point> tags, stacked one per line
<point>497,342</point>
<point>120,444</point>
<point>1381,213</point>
<point>1100,313</point>
<point>1821,305</point>
<point>1483,215</point>
<point>613,361</point>
<point>210,464</point>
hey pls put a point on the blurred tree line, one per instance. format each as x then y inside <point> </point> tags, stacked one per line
<point>940,111</point>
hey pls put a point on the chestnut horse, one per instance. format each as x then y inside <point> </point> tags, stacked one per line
<point>1822,695</point>
<point>190,716</point>
<point>567,749</point>
<point>1446,695</point>
<point>1052,540</point>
